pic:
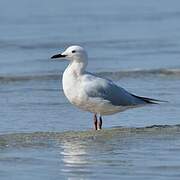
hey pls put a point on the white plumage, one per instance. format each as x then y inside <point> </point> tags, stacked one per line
<point>90,92</point>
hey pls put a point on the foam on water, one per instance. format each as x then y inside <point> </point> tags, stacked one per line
<point>42,139</point>
<point>146,152</point>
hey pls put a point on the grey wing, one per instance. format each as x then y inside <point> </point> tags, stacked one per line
<point>107,90</point>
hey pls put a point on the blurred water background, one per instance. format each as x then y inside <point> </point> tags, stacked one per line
<point>134,43</point>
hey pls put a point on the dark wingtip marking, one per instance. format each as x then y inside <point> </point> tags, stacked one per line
<point>149,100</point>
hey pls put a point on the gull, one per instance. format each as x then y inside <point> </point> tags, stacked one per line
<point>95,94</point>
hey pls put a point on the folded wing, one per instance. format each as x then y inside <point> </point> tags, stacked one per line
<point>105,89</point>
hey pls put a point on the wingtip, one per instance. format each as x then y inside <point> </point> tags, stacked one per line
<point>150,100</point>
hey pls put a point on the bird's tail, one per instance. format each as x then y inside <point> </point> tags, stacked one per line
<point>149,100</point>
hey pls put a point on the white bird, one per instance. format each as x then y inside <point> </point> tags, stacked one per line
<point>92,93</point>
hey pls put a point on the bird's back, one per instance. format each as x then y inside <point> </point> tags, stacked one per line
<point>103,88</point>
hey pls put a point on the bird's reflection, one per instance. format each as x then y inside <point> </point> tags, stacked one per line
<point>74,153</point>
<point>83,157</point>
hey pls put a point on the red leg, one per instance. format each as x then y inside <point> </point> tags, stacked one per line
<point>100,123</point>
<point>95,121</point>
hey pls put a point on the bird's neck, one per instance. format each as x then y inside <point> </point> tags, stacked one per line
<point>77,67</point>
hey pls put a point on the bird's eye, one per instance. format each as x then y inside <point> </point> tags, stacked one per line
<point>73,51</point>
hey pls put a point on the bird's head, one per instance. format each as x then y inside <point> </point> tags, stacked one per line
<point>72,53</point>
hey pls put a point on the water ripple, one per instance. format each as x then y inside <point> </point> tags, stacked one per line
<point>46,139</point>
<point>110,74</point>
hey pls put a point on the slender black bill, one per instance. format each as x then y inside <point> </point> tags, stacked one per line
<point>58,56</point>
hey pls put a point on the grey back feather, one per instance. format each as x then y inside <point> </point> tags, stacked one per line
<point>107,90</point>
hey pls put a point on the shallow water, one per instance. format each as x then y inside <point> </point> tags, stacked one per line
<point>134,43</point>
<point>138,153</point>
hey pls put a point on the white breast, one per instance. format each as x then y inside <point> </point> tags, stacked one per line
<point>72,88</point>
